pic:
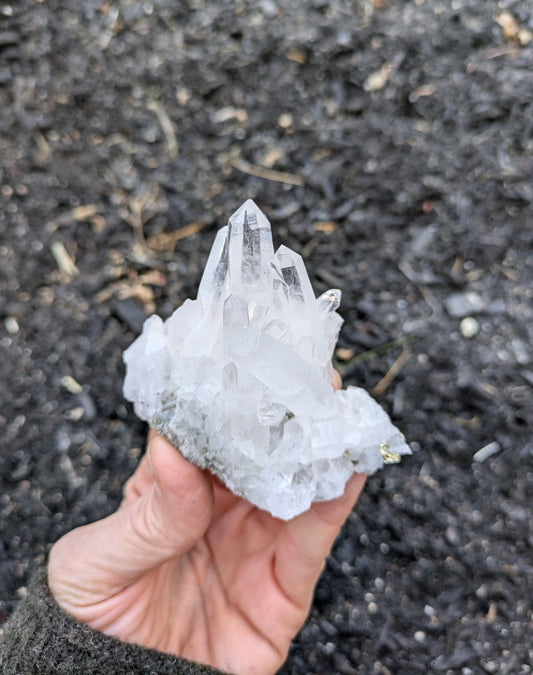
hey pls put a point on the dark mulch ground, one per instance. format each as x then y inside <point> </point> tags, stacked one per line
<point>408,130</point>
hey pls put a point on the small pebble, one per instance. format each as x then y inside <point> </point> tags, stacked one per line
<point>452,536</point>
<point>487,451</point>
<point>71,385</point>
<point>12,325</point>
<point>469,327</point>
<point>420,636</point>
<point>75,414</point>
<point>285,120</point>
<point>269,8</point>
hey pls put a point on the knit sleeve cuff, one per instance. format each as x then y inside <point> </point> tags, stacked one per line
<point>41,639</point>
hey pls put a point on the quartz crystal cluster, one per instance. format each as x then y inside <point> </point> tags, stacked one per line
<point>240,378</point>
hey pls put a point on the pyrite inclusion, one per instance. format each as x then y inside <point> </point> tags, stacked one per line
<point>239,379</point>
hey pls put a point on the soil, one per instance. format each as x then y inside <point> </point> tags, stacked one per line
<point>391,143</point>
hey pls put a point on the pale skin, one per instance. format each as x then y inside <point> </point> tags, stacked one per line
<point>188,568</point>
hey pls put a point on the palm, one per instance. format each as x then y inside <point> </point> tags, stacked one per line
<point>234,612</point>
<point>233,592</point>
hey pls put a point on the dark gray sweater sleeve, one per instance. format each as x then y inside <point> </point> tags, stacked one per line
<point>41,639</point>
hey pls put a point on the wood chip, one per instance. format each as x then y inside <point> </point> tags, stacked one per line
<point>43,148</point>
<point>378,79</point>
<point>296,55</point>
<point>327,226</point>
<point>424,90</point>
<point>229,113</point>
<point>467,423</point>
<point>66,265</point>
<point>271,157</point>
<point>78,214</point>
<point>512,31</point>
<point>491,614</point>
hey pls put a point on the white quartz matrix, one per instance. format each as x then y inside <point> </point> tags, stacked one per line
<point>240,378</point>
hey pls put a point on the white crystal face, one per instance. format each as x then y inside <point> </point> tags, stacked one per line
<point>239,379</point>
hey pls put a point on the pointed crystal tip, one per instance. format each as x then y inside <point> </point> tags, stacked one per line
<point>250,214</point>
<point>250,251</point>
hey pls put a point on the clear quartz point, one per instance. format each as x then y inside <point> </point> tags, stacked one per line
<point>329,301</point>
<point>239,379</point>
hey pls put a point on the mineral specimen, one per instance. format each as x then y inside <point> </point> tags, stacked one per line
<point>240,378</point>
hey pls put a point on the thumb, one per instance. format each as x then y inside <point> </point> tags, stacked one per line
<point>99,560</point>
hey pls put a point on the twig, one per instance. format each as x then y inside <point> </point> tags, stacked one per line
<point>376,351</point>
<point>267,174</point>
<point>393,372</point>
<point>167,126</point>
<point>137,212</point>
<point>78,214</point>
<point>137,287</point>
<point>164,241</point>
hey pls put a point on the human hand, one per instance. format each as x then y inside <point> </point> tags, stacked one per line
<point>188,568</point>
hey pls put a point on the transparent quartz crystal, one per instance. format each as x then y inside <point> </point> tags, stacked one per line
<point>240,378</point>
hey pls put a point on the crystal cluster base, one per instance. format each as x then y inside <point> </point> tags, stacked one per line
<point>239,379</point>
